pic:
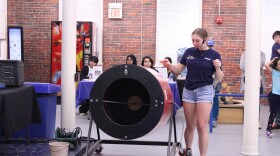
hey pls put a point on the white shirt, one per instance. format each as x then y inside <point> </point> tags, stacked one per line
<point>90,72</point>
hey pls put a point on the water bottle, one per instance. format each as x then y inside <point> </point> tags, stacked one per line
<point>170,77</point>
<point>90,76</point>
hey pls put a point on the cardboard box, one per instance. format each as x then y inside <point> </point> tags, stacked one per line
<point>231,113</point>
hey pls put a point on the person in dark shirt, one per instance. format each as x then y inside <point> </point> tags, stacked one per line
<point>87,72</point>
<point>276,46</point>
<point>131,59</point>
<point>148,62</point>
<point>202,62</point>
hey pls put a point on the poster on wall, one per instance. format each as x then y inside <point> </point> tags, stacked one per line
<point>83,48</point>
<point>15,43</point>
<point>56,43</point>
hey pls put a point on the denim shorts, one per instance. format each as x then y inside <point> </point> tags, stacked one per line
<point>199,95</point>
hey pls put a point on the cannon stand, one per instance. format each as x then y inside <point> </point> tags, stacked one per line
<point>95,145</point>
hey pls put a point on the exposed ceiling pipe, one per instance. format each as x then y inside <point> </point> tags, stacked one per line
<point>219,4</point>
<point>219,19</point>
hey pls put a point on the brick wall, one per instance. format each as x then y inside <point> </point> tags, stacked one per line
<point>35,16</point>
<point>229,36</point>
<point>123,36</point>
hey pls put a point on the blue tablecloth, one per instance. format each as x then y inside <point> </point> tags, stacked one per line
<point>85,86</point>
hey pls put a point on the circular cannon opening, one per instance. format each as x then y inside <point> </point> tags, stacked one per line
<point>129,101</point>
<point>126,101</point>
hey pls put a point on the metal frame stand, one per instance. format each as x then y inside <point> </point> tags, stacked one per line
<point>95,145</point>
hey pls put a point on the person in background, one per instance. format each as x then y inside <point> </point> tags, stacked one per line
<point>87,72</point>
<point>262,75</point>
<point>180,52</point>
<point>276,53</point>
<point>202,62</point>
<point>181,77</point>
<point>217,86</point>
<point>276,46</point>
<point>131,59</point>
<point>148,62</point>
<point>274,96</point>
<point>171,75</point>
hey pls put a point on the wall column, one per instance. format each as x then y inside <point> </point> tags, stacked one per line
<point>68,68</point>
<point>252,75</point>
<point>3,30</point>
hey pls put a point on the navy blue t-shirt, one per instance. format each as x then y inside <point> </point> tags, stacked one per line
<point>200,67</point>
<point>274,53</point>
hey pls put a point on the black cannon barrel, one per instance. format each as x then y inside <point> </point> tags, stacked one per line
<point>129,101</point>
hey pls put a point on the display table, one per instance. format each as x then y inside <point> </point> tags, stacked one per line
<point>85,86</point>
<point>18,108</point>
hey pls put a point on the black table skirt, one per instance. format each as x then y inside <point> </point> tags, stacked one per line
<point>18,108</point>
<point>181,85</point>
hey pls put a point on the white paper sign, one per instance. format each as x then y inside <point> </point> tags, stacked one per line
<point>162,71</point>
<point>15,47</point>
<point>115,10</point>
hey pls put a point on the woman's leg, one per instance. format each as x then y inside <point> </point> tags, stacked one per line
<point>202,117</point>
<point>270,120</point>
<point>190,116</point>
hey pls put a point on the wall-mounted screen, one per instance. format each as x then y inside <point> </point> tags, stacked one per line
<point>15,43</point>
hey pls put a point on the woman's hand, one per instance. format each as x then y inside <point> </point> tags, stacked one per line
<point>175,68</point>
<point>219,74</point>
<point>165,63</point>
<point>273,59</point>
<point>267,65</point>
<point>217,63</point>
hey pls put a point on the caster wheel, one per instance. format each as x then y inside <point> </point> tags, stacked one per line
<point>75,144</point>
<point>182,152</point>
<point>98,150</point>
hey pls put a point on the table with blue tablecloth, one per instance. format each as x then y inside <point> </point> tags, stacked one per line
<point>85,86</point>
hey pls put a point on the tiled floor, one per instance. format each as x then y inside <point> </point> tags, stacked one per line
<point>226,140</point>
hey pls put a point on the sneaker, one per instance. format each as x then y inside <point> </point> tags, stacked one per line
<point>275,126</point>
<point>214,123</point>
<point>269,134</point>
<point>78,110</point>
<point>189,152</point>
<point>260,126</point>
